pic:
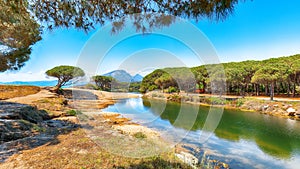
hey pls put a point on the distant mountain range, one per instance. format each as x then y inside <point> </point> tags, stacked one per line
<point>137,78</point>
<point>32,83</point>
<point>123,76</point>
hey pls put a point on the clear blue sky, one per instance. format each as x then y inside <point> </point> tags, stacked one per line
<point>257,30</point>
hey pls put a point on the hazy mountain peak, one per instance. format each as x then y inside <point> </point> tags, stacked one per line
<point>123,76</point>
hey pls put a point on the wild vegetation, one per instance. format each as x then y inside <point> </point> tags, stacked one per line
<point>18,32</point>
<point>267,77</point>
<point>107,83</point>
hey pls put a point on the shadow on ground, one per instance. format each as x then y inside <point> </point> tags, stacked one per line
<point>24,127</point>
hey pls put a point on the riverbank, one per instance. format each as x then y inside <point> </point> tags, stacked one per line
<point>61,140</point>
<point>281,107</point>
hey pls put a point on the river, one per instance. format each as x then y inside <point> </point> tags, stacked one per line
<point>241,139</point>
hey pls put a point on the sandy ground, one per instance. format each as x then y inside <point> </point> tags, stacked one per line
<point>108,95</point>
<point>29,99</point>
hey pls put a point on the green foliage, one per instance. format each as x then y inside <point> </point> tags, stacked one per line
<point>152,87</point>
<point>169,77</point>
<point>175,98</point>
<point>172,89</point>
<point>103,82</point>
<point>240,102</point>
<point>241,78</point>
<point>85,14</point>
<point>20,20</point>
<point>38,128</point>
<point>134,87</point>
<point>148,83</point>
<point>71,112</point>
<point>65,74</point>
<point>18,32</point>
<point>139,135</point>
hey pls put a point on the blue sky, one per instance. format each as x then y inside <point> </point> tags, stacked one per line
<point>256,30</point>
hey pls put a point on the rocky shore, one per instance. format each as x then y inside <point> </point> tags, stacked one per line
<point>281,108</point>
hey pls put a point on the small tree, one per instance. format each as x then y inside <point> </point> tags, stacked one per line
<point>103,82</point>
<point>65,74</point>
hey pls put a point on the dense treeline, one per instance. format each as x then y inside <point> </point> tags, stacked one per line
<point>107,83</point>
<point>267,77</point>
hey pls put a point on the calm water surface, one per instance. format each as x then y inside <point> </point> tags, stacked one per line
<point>242,139</point>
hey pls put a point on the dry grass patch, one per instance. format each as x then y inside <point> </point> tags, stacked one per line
<point>76,150</point>
<point>10,91</point>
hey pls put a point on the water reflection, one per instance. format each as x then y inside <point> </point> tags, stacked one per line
<point>275,136</point>
<point>243,139</point>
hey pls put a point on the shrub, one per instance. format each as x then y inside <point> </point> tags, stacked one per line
<point>175,98</point>
<point>152,87</point>
<point>217,100</point>
<point>139,135</point>
<point>239,102</point>
<point>172,89</point>
<point>72,112</point>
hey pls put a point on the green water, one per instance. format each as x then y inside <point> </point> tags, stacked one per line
<point>243,139</point>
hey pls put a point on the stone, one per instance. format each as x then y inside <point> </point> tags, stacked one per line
<point>291,110</point>
<point>187,158</point>
<point>265,107</point>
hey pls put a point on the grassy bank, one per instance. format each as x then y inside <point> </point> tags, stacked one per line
<point>286,109</point>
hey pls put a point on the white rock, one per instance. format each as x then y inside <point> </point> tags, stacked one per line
<point>187,158</point>
<point>291,110</point>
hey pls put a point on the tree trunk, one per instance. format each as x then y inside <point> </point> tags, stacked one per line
<point>57,87</point>
<point>288,89</point>
<point>294,89</point>
<point>278,88</point>
<point>247,88</point>
<point>266,90</point>
<point>272,91</point>
<point>204,87</point>
<point>257,88</point>
<point>294,85</point>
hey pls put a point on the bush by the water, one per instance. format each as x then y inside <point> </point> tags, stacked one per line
<point>73,112</point>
